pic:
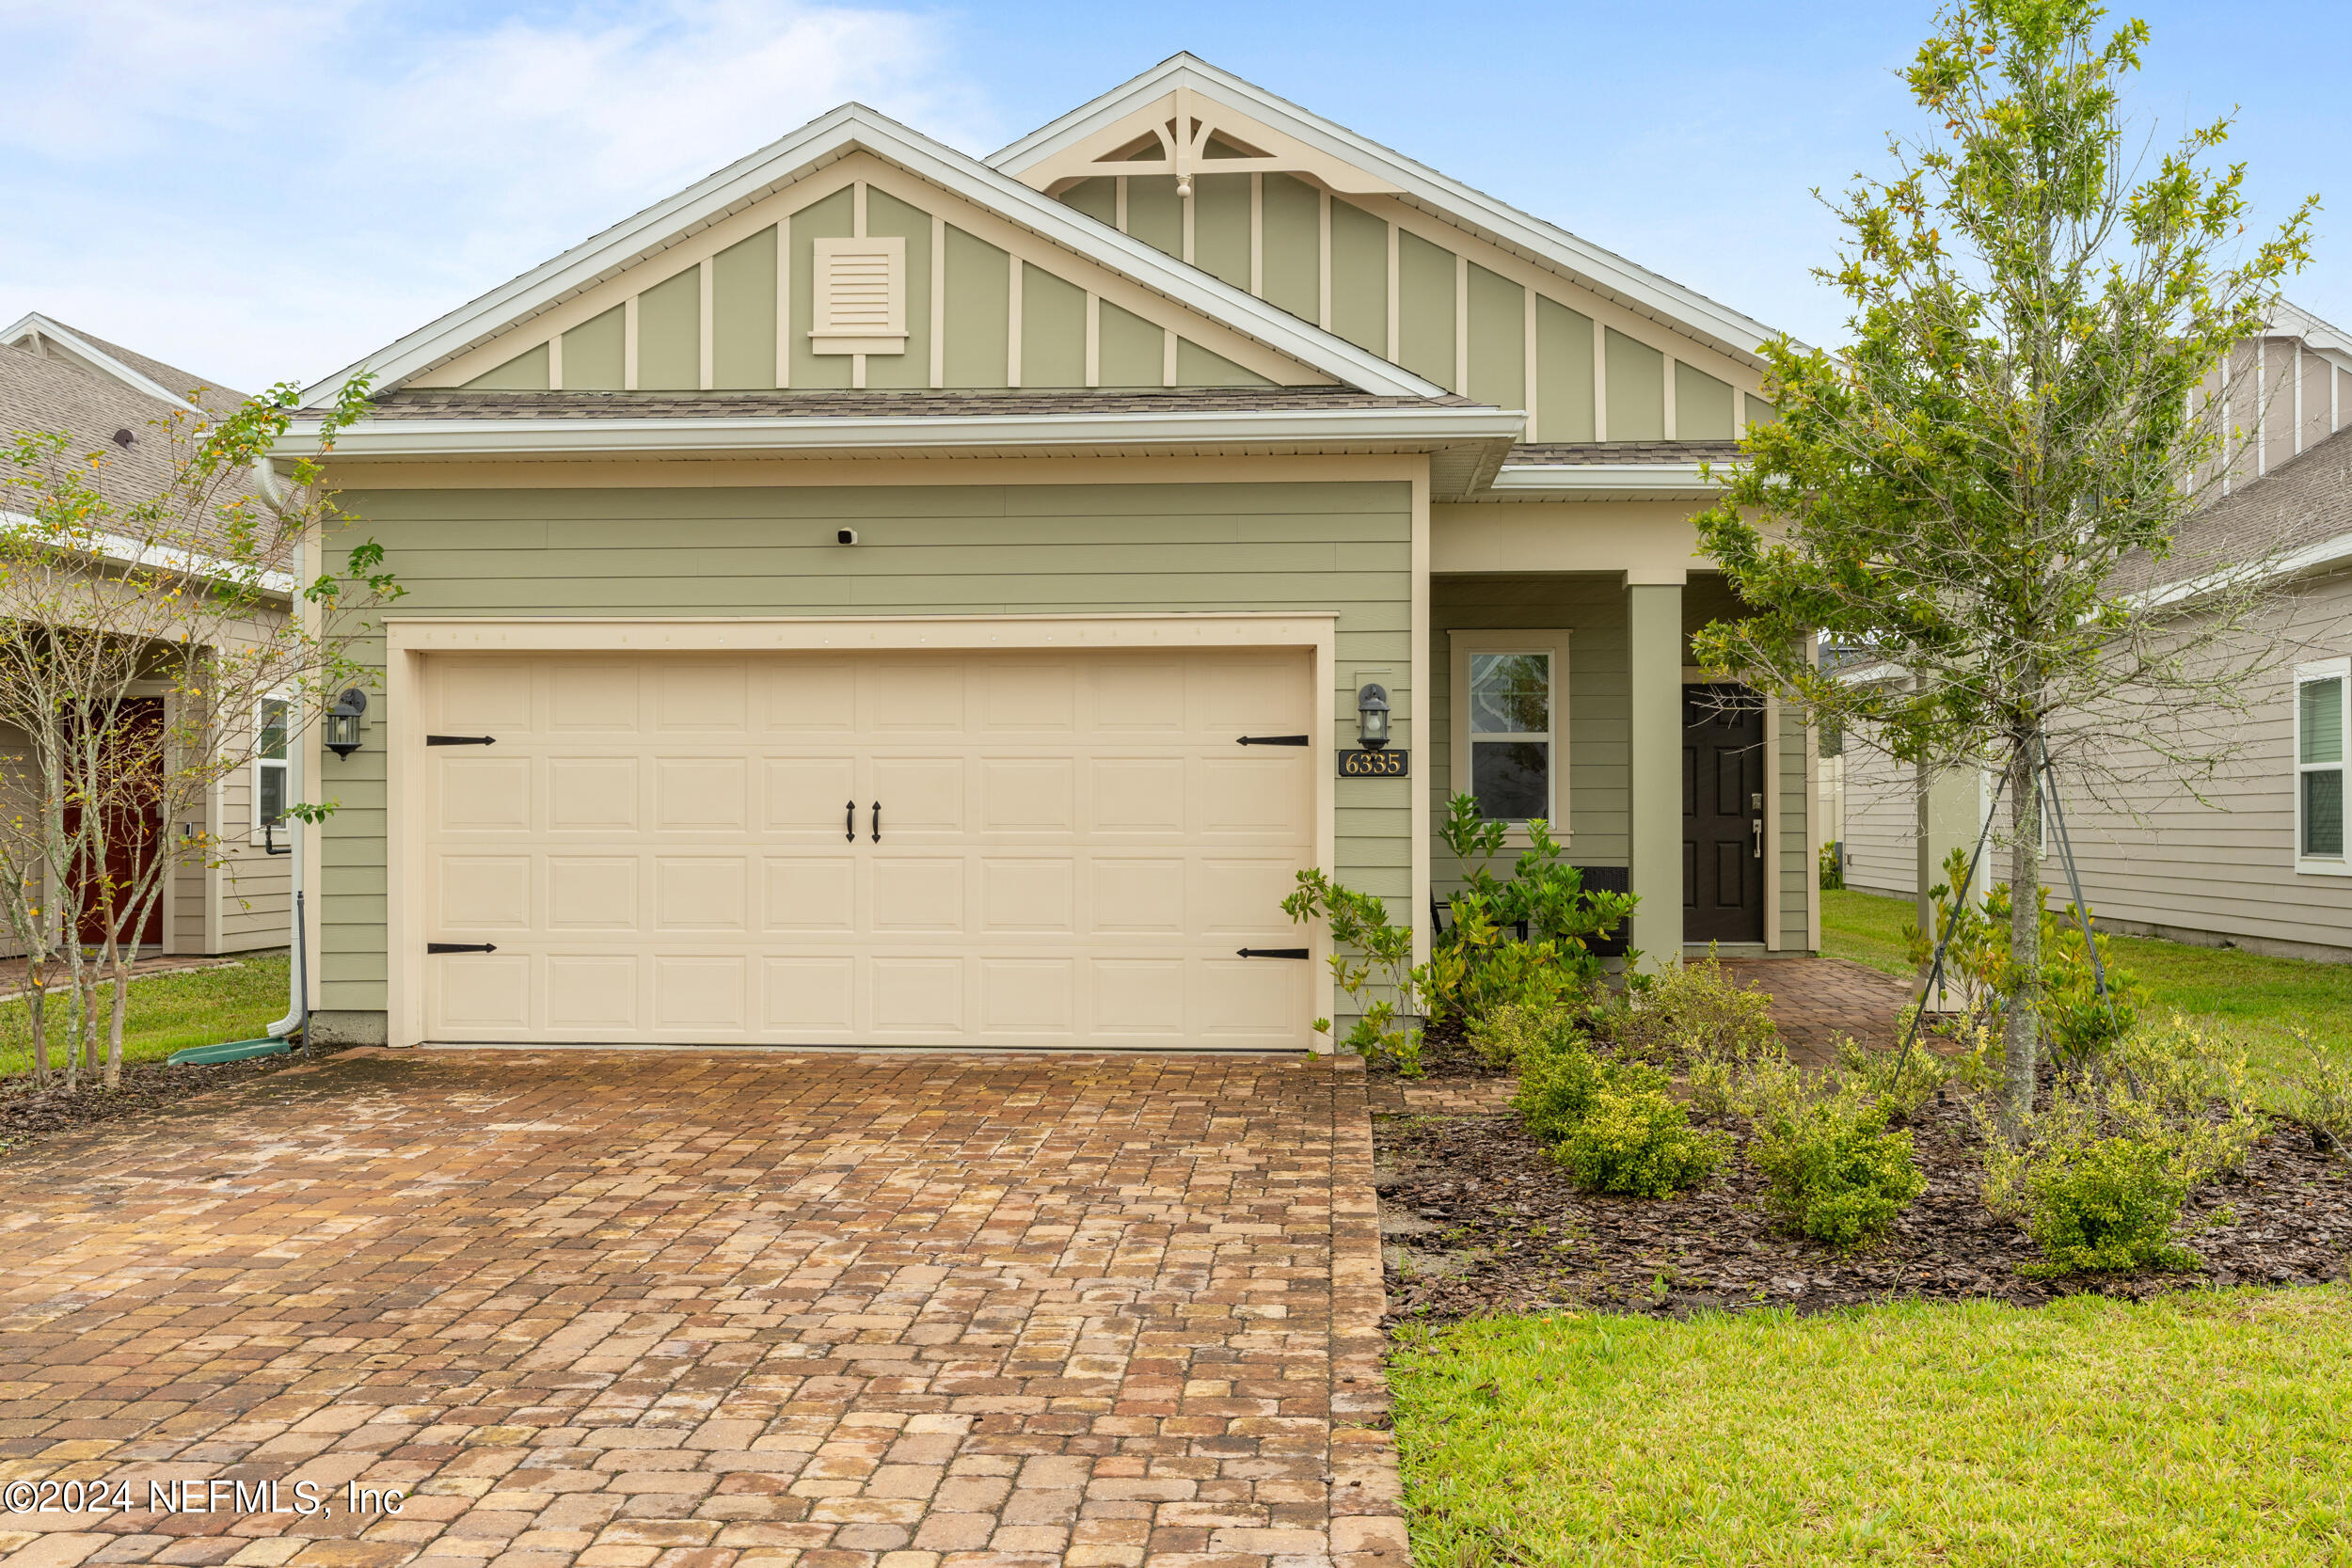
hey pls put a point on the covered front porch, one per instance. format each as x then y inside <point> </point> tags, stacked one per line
<point>1562,685</point>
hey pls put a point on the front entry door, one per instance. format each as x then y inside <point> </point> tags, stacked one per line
<point>1722,814</point>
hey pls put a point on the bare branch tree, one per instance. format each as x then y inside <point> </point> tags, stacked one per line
<point>153,641</point>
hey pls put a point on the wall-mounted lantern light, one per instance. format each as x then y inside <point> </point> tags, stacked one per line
<point>1372,715</point>
<point>342,722</point>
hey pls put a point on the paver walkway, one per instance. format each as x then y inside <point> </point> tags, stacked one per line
<point>698,1310</point>
<point>1815,1000</point>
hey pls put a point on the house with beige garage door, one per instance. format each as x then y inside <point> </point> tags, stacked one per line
<point>878,596</point>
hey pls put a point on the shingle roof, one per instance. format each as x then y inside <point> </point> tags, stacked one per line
<point>2305,500</point>
<point>211,396</point>
<point>42,395</point>
<point>461,404</point>
<point>1603,453</point>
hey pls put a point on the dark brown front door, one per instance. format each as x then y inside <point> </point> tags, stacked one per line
<point>1722,814</point>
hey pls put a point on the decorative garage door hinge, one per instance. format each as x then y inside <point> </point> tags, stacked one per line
<point>461,947</point>
<point>1273,740</point>
<point>1275,952</point>
<point>461,740</point>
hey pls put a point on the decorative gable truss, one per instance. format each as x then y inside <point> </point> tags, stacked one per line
<point>865,276</point>
<point>1398,261</point>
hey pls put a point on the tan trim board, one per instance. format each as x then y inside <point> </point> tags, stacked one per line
<point>1774,829</point>
<point>1417,671</point>
<point>625,473</point>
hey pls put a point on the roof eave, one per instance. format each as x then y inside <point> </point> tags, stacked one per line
<point>1604,481</point>
<point>1486,430</point>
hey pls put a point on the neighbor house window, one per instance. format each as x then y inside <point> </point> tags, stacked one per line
<point>269,765</point>
<point>1509,724</point>
<point>2320,692</point>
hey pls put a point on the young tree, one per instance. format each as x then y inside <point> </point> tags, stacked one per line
<point>1977,488</point>
<point>143,629</point>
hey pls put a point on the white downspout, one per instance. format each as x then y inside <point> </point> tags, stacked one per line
<point>297,986</point>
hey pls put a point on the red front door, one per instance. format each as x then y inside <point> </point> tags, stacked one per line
<point>133,835</point>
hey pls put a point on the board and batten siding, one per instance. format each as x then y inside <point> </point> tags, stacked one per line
<point>978,315</point>
<point>1400,282</point>
<point>1333,547</point>
<point>1598,731</point>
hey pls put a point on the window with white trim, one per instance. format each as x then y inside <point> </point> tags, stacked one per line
<point>1509,724</point>
<point>2320,714</point>
<point>269,765</point>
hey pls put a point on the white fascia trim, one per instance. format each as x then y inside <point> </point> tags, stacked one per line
<point>853,128</point>
<point>623,437</point>
<point>123,550</point>
<point>1584,478</point>
<point>1715,325</point>
<point>2293,321</point>
<point>37,323</point>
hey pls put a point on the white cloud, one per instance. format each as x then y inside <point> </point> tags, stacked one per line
<point>256,189</point>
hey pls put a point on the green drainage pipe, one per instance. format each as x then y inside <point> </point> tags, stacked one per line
<point>238,1050</point>
<point>229,1051</point>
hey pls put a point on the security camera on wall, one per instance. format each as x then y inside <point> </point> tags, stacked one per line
<point>847,537</point>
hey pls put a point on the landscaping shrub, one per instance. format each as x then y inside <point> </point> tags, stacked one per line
<point>1562,1081</point>
<point>1834,1172</point>
<point>2186,1084</point>
<point>1900,1081</point>
<point>2323,1103</point>
<point>1638,1142</point>
<point>2108,1203</point>
<point>1695,1014</point>
<point>1522,940</point>
<point>2100,1178</point>
<point>1372,960</point>
<point>1518,1032</point>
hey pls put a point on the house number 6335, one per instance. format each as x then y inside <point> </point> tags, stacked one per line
<point>1383,763</point>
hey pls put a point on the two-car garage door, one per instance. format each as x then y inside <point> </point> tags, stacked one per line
<point>887,848</point>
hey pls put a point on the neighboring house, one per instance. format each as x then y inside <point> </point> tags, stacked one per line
<point>109,399</point>
<point>879,597</point>
<point>2259,863</point>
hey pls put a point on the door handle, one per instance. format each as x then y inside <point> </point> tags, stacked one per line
<point>877,823</point>
<point>1756,825</point>
<point>848,822</point>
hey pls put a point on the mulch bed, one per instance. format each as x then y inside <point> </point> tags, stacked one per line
<point>1478,1218</point>
<point>28,1117</point>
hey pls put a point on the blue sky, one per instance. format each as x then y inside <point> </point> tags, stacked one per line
<point>261,189</point>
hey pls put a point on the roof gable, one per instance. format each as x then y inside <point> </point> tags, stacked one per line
<point>146,376</point>
<point>690,261</point>
<point>1400,261</point>
<point>1044,157</point>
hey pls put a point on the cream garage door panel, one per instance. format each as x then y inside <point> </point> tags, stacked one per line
<point>886,848</point>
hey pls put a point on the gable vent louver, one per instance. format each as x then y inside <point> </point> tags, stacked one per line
<point>861,296</point>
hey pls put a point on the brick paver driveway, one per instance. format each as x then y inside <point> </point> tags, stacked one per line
<point>711,1308</point>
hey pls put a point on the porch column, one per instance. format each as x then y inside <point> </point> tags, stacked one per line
<point>1654,638</point>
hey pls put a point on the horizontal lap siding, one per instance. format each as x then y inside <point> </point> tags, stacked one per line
<point>1342,547</point>
<point>1881,821</point>
<point>2226,869</point>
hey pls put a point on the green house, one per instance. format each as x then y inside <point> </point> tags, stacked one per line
<point>880,597</point>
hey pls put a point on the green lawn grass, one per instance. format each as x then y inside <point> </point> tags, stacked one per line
<point>2205,1429</point>
<point>2265,1001</point>
<point>198,1006</point>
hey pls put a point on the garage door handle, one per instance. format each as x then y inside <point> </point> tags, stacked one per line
<point>1275,952</point>
<point>461,947</point>
<point>848,822</point>
<point>1273,740</point>
<point>877,823</point>
<point>461,740</point>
